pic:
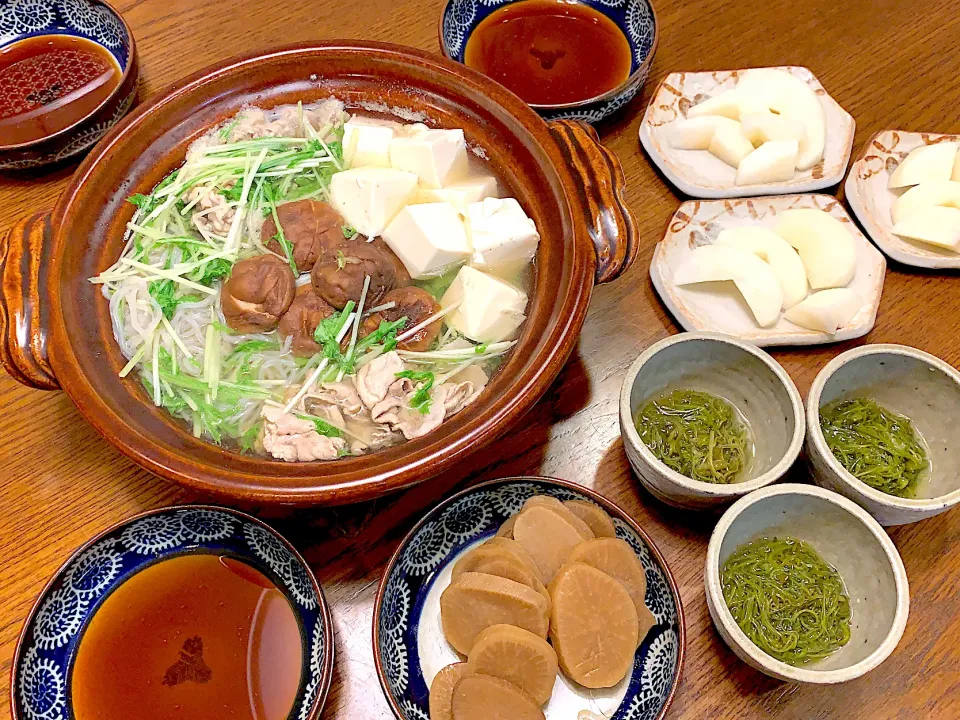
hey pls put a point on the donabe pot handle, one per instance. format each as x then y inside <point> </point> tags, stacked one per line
<point>24,313</point>
<point>613,228</point>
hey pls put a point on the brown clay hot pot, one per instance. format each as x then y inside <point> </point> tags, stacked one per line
<point>56,325</point>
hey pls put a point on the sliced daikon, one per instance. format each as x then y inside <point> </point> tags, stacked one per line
<point>730,145</point>
<point>926,194</point>
<point>826,311</point>
<point>936,225</point>
<point>792,97</point>
<point>927,162</point>
<point>826,247</point>
<point>726,104</point>
<point>761,127</point>
<point>770,163</point>
<point>776,252</point>
<point>754,279</point>
<point>696,133</point>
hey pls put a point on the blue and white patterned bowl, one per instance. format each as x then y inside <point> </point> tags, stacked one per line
<point>48,643</point>
<point>407,645</point>
<point>636,18</point>
<point>91,19</point>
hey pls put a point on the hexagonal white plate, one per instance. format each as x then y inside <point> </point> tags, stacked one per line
<point>699,174</point>
<point>872,202</point>
<point>719,306</point>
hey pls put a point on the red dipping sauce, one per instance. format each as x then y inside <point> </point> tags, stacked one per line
<point>550,52</point>
<point>50,82</point>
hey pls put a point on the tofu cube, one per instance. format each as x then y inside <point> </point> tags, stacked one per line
<point>366,143</point>
<point>437,157</point>
<point>490,309</point>
<point>461,194</point>
<point>369,198</point>
<point>500,234</point>
<point>428,238</point>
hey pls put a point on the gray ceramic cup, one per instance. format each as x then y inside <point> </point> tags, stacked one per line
<point>846,537</point>
<point>912,383</point>
<point>740,373</point>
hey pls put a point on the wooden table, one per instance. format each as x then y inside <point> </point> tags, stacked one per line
<point>892,65</point>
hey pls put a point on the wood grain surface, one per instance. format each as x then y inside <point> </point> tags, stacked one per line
<point>891,64</point>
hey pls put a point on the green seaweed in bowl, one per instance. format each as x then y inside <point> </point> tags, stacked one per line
<point>696,434</point>
<point>787,599</point>
<point>875,445</point>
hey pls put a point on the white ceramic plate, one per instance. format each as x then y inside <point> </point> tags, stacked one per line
<point>699,174</point>
<point>719,307</point>
<point>872,202</point>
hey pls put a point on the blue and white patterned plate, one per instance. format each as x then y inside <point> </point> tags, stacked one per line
<point>636,18</point>
<point>408,643</point>
<point>90,19</point>
<point>49,640</point>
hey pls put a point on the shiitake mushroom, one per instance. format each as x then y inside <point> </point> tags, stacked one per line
<point>340,278</point>
<point>313,229</point>
<point>259,291</point>
<point>300,321</point>
<point>416,305</point>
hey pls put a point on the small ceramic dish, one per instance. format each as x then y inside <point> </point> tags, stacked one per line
<point>408,643</point>
<point>872,201</point>
<point>848,539</point>
<point>911,383</point>
<point>41,682</point>
<point>719,307</point>
<point>697,173</point>
<point>740,373</point>
<point>90,19</point>
<point>635,18</point>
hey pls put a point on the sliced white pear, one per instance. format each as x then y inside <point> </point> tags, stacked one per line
<point>826,311</point>
<point>765,126</point>
<point>751,104</point>
<point>927,162</point>
<point>776,252</point>
<point>754,279</point>
<point>770,163</point>
<point>696,133</point>
<point>826,246</point>
<point>726,104</point>
<point>730,145</point>
<point>936,225</point>
<point>926,194</point>
<point>956,168</point>
<point>792,97</point>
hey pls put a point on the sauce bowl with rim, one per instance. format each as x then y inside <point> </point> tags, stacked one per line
<point>46,651</point>
<point>846,537</point>
<point>635,18</point>
<point>93,20</point>
<point>740,373</point>
<point>911,383</point>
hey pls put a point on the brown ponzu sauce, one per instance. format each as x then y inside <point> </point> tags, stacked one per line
<point>197,636</point>
<point>49,82</point>
<point>550,52</point>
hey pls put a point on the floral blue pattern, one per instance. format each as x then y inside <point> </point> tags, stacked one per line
<point>441,536</point>
<point>83,18</point>
<point>53,633</point>
<point>634,17</point>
